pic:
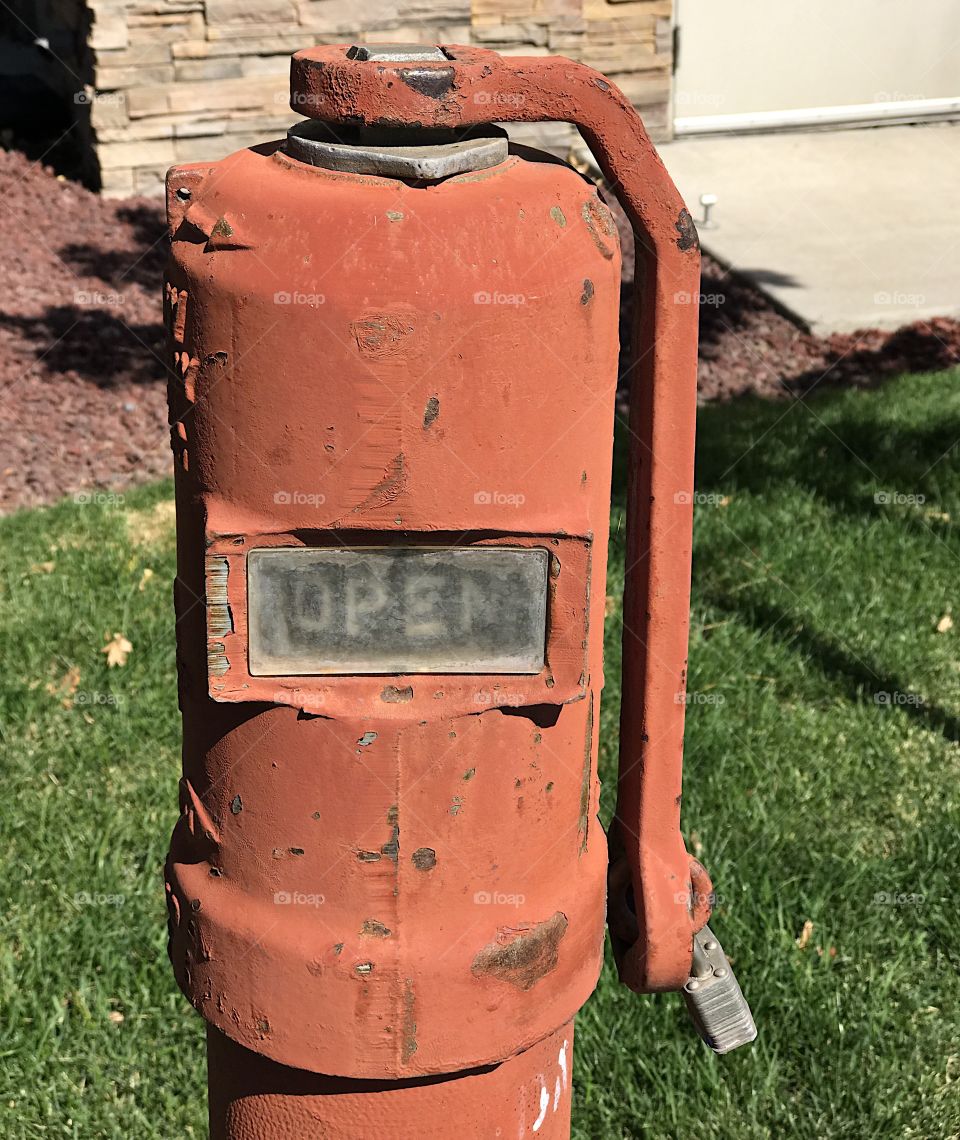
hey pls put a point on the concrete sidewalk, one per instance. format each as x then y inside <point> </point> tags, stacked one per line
<point>845,229</point>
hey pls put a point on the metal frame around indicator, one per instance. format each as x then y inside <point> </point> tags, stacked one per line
<point>563,679</point>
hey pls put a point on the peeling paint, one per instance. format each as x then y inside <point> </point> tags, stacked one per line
<point>374,928</point>
<point>522,955</point>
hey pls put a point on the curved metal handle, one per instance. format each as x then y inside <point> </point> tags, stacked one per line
<point>461,86</point>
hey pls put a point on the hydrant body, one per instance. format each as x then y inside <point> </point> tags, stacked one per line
<point>394,353</point>
<point>383,875</point>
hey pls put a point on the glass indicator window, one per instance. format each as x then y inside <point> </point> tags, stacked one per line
<point>479,609</point>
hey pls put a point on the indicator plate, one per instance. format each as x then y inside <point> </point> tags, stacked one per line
<point>368,610</point>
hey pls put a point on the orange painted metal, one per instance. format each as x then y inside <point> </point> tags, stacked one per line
<point>394,879</point>
<point>253,1098</point>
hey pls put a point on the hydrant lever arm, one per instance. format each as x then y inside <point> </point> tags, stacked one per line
<point>659,896</point>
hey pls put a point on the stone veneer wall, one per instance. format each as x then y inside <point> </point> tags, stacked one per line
<point>192,80</point>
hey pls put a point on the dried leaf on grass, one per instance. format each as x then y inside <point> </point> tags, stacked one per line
<point>117,649</point>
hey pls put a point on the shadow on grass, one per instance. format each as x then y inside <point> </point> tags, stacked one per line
<point>861,457</point>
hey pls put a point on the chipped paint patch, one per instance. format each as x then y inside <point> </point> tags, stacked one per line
<point>558,215</point>
<point>431,411</point>
<point>380,335</point>
<point>686,227</point>
<point>587,295</point>
<point>219,615</point>
<point>522,955</point>
<point>583,820</point>
<point>424,858</point>
<point>374,928</point>
<point>599,221</point>
<point>395,215</point>
<point>367,739</point>
<point>408,1044</point>
<point>394,696</point>
<point>388,488</point>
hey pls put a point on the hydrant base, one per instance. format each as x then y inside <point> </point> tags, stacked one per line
<point>254,1098</point>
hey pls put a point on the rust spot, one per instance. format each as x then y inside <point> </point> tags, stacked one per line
<point>431,82</point>
<point>216,358</point>
<point>369,856</point>
<point>296,851</point>
<point>587,295</point>
<point>394,696</point>
<point>522,955</point>
<point>599,222</point>
<point>373,928</point>
<point>470,773</point>
<point>424,858</point>
<point>687,229</point>
<point>431,411</point>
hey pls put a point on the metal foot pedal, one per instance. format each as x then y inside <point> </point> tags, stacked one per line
<point>714,999</point>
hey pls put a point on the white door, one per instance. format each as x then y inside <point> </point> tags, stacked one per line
<point>772,64</point>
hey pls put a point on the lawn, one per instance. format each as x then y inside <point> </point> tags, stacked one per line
<point>821,788</point>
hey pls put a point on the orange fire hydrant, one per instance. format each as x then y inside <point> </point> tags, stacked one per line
<point>394,341</point>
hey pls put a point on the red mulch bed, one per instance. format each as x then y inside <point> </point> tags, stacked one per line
<point>82,359</point>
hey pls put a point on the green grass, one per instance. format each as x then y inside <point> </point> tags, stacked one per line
<point>807,799</point>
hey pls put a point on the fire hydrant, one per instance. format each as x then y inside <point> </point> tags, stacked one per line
<point>394,340</point>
